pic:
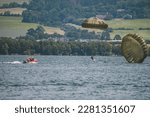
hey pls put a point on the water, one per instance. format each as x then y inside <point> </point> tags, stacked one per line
<point>74,77</point>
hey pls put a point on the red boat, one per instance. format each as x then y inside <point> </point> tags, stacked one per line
<point>30,60</point>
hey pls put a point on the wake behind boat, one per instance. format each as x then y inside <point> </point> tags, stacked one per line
<point>13,62</point>
<point>28,60</point>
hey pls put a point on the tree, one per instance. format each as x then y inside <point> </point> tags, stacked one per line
<point>105,35</point>
<point>117,37</point>
<point>7,13</point>
<point>57,12</point>
<point>24,5</point>
<point>5,48</point>
<point>37,33</point>
<point>127,16</point>
<point>40,30</point>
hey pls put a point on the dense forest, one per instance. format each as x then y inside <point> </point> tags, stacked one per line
<point>57,12</point>
<point>50,47</point>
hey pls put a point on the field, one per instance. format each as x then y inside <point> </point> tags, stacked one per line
<point>132,24</point>
<point>13,27</point>
<point>12,10</point>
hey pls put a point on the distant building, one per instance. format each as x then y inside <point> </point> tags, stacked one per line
<point>120,10</point>
<point>107,16</point>
<point>101,16</point>
<point>127,16</point>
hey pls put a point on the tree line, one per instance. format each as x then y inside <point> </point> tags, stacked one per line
<point>50,47</point>
<point>14,5</point>
<point>71,33</point>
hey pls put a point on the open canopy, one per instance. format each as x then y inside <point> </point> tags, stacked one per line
<point>94,22</point>
<point>134,48</point>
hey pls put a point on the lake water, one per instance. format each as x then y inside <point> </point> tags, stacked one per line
<point>74,77</point>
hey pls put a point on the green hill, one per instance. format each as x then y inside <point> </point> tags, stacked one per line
<point>13,27</point>
<point>134,25</point>
<point>56,12</point>
<point>121,27</point>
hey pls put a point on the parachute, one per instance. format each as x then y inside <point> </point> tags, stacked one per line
<point>134,48</point>
<point>94,23</point>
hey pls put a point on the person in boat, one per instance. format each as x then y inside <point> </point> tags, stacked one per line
<point>25,61</point>
<point>29,60</point>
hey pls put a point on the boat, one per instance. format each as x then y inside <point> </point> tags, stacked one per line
<point>30,60</point>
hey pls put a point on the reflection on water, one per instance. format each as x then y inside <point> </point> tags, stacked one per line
<point>74,77</point>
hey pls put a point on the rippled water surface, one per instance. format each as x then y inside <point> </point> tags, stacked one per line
<point>74,77</point>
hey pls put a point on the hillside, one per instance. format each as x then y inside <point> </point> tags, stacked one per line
<point>56,12</point>
<point>132,25</point>
<point>120,27</point>
<point>13,27</point>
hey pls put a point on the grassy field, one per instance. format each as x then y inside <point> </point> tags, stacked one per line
<point>12,10</point>
<point>132,24</point>
<point>13,27</point>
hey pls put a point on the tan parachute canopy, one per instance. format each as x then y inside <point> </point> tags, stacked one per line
<point>94,23</point>
<point>134,48</point>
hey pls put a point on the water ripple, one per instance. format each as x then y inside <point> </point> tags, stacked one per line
<point>74,77</point>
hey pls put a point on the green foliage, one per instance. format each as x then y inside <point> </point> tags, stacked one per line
<point>117,37</point>
<point>105,35</point>
<point>38,33</point>
<point>56,12</point>
<point>121,27</point>
<point>116,50</point>
<point>14,5</point>
<point>55,35</point>
<point>71,33</point>
<point>75,34</point>
<point>5,48</point>
<point>7,13</point>
<point>24,46</point>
